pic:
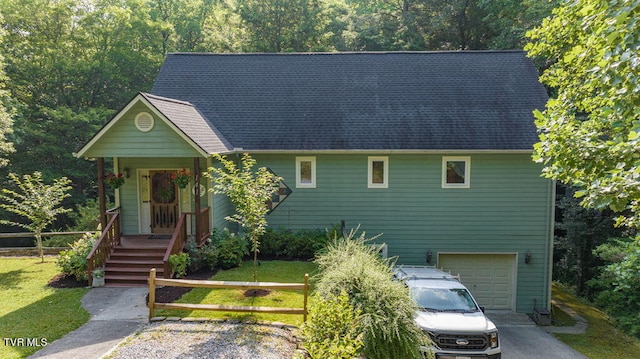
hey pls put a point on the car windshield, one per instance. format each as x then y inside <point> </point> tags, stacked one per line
<point>444,300</point>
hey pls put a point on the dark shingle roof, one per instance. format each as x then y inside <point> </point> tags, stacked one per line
<point>361,101</point>
<point>187,118</point>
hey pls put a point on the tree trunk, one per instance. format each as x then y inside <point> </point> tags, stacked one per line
<point>39,245</point>
<point>254,239</point>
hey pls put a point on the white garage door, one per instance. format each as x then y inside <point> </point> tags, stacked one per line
<point>489,277</point>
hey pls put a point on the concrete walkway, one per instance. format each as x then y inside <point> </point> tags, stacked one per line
<point>115,314</point>
<point>579,328</point>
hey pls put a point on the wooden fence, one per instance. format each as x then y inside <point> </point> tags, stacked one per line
<point>153,282</point>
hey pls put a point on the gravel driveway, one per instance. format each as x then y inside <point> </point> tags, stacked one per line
<point>209,339</point>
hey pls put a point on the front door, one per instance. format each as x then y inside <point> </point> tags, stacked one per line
<point>164,202</point>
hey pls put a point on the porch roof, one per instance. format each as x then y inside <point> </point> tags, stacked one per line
<point>181,117</point>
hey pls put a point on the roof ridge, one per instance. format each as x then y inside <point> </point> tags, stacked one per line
<point>166,99</point>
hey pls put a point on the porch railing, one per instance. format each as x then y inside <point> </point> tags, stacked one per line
<point>180,236</point>
<point>103,248</point>
<point>205,226</point>
<point>176,244</point>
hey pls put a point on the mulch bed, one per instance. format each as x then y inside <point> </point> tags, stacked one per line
<point>163,294</point>
<point>171,294</point>
<point>66,281</point>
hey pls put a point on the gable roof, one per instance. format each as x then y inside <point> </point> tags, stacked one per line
<point>191,122</point>
<point>180,116</point>
<point>463,100</point>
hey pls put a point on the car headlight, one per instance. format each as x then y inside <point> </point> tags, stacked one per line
<point>494,339</point>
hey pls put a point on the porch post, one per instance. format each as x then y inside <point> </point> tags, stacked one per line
<point>196,193</point>
<point>101,198</point>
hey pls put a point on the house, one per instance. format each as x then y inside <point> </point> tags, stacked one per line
<point>431,149</point>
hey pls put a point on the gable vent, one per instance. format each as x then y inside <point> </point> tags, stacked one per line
<point>144,121</point>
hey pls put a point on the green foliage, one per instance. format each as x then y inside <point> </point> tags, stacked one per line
<point>36,201</point>
<point>205,256</point>
<point>229,248</point>
<point>291,245</point>
<point>6,120</point>
<point>74,261</point>
<point>578,232</point>
<point>249,192</point>
<point>618,284</point>
<point>332,330</point>
<point>349,265</point>
<point>589,133</point>
<point>179,263</point>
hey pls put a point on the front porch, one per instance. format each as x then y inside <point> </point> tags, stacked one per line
<point>127,259</point>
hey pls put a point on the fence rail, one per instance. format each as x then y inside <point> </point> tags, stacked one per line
<point>44,234</point>
<point>153,305</point>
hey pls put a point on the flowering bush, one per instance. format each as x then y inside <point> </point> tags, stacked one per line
<point>114,181</point>
<point>181,178</point>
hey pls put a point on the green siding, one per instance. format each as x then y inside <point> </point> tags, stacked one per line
<point>123,139</point>
<point>506,209</point>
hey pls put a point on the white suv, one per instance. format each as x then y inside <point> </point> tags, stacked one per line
<point>450,315</point>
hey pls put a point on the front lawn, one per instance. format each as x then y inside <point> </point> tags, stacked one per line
<point>268,271</point>
<point>31,310</point>
<point>601,340</point>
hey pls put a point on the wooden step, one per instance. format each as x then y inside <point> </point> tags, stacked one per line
<point>129,266</point>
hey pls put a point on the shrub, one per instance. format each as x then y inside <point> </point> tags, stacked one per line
<point>351,266</point>
<point>332,330</point>
<point>293,245</point>
<point>179,263</point>
<point>230,248</point>
<point>74,261</point>
<point>205,256</point>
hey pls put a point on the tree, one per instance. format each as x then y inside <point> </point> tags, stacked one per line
<point>6,122</point>
<point>249,191</point>
<point>283,25</point>
<point>579,231</point>
<point>36,201</point>
<point>590,132</point>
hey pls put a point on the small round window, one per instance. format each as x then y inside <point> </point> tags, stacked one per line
<point>144,121</point>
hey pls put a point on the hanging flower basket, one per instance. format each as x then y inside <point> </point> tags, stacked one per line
<point>181,178</point>
<point>114,180</point>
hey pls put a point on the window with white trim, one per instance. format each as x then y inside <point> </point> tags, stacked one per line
<point>378,172</point>
<point>305,172</point>
<point>456,172</point>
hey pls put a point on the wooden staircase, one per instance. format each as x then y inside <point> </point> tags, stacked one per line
<point>129,265</point>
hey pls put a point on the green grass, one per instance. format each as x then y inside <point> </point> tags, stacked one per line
<point>269,271</point>
<point>602,339</point>
<point>31,309</point>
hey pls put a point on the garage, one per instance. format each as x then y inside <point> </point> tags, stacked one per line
<point>489,277</point>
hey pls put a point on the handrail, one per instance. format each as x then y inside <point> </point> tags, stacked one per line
<point>109,239</point>
<point>179,236</point>
<point>205,226</point>
<point>176,244</point>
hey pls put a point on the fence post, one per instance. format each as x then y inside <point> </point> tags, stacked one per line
<point>152,291</point>
<point>306,295</point>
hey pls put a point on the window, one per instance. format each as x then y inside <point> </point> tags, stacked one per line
<point>378,172</point>
<point>305,172</point>
<point>455,172</point>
